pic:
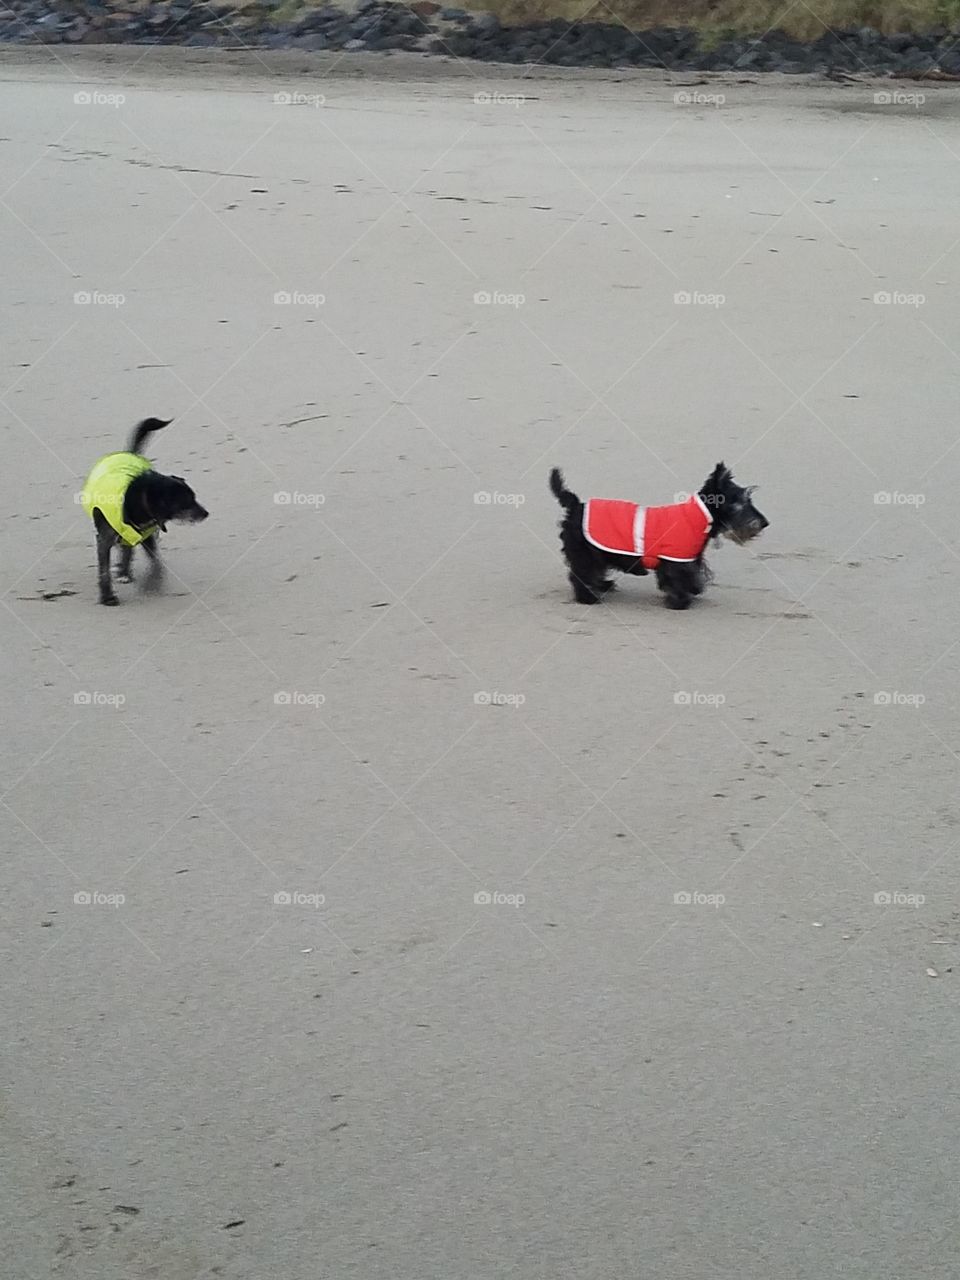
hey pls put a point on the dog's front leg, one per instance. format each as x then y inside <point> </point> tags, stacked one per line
<point>674,580</point>
<point>699,577</point>
<point>124,573</point>
<point>106,537</point>
<point>155,578</point>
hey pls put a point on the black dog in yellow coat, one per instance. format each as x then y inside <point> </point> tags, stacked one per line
<point>129,503</point>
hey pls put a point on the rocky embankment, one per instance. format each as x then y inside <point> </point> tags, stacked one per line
<point>429,28</point>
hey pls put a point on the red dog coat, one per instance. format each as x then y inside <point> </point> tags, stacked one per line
<point>677,532</point>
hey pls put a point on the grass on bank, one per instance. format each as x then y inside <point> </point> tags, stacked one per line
<point>802,19</point>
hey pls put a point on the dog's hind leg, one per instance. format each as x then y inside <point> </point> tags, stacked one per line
<point>582,593</point>
<point>587,576</point>
<point>106,537</point>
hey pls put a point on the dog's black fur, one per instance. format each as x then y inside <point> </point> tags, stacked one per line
<point>734,517</point>
<point>152,498</point>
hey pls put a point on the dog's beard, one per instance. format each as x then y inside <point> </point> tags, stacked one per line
<point>742,536</point>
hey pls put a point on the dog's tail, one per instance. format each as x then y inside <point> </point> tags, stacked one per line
<point>144,429</point>
<point>563,495</point>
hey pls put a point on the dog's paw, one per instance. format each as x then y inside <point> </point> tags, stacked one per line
<point>154,580</point>
<point>124,577</point>
<point>677,602</point>
<point>109,600</point>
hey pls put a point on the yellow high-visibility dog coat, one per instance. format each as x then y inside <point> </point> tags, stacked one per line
<point>106,488</point>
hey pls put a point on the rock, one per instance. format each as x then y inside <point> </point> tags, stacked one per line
<point>354,46</point>
<point>424,8</point>
<point>312,43</point>
<point>485,23</point>
<point>311,21</point>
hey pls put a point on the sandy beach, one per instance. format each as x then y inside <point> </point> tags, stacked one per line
<point>371,910</point>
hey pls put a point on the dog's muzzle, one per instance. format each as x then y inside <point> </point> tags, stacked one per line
<point>745,533</point>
